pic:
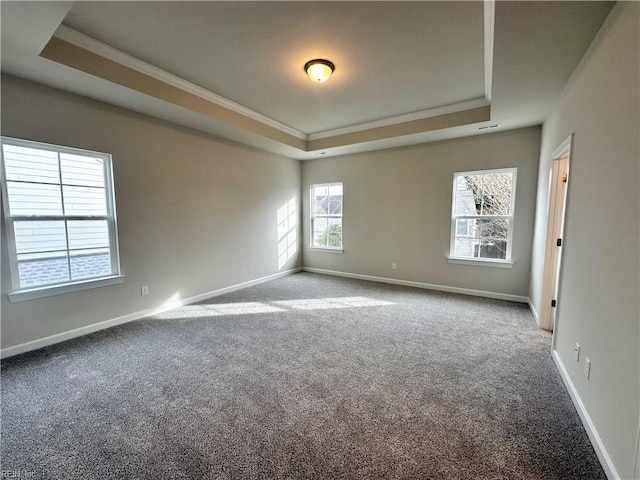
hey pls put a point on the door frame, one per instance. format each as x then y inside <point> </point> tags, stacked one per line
<point>636,469</point>
<point>558,185</point>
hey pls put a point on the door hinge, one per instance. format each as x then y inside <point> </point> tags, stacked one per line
<point>553,303</point>
<point>559,242</point>
<point>565,178</point>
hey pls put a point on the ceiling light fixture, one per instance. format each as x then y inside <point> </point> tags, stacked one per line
<point>319,70</point>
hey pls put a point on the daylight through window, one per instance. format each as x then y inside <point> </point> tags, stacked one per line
<point>482,214</point>
<point>60,214</point>
<point>326,216</point>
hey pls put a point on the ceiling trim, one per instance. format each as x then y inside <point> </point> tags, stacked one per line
<point>420,125</point>
<point>97,47</point>
<point>489,28</point>
<point>76,57</point>
<point>410,117</point>
<point>82,52</point>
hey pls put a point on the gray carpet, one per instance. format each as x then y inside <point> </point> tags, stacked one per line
<point>307,376</point>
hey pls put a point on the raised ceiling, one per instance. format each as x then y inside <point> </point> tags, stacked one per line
<point>406,72</point>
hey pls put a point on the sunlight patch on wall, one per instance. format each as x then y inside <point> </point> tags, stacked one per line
<point>287,232</point>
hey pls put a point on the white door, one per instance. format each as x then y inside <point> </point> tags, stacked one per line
<point>555,227</point>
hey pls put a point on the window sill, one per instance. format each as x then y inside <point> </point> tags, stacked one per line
<point>50,291</point>
<point>326,249</point>
<point>481,262</point>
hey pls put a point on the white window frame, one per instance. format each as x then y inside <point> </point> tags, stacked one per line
<point>312,216</point>
<point>19,294</point>
<point>490,262</point>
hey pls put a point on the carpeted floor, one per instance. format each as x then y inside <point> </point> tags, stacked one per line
<point>307,376</point>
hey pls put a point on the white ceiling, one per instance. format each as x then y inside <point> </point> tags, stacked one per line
<point>253,53</point>
<point>395,61</point>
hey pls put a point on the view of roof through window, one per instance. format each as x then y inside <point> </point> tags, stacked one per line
<point>58,209</point>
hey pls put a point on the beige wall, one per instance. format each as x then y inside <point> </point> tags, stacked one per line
<point>599,286</point>
<point>195,213</point>
<point>397,208</point>
<point>198,214</point>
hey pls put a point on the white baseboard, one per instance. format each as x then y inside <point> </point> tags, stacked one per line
<point>94,327</point>
<point>534,312</point>
<point>592,432</point>
<point>428,286</point>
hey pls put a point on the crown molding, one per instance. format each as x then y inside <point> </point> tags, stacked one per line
<point>409,117</point>
<point>97,47</point>
<point>457,118</point>
<point>489,28</point>
<point>435,118</point>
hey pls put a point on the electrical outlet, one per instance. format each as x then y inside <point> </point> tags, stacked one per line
<point>587,367</point>
<point>144,290</point>
<point>394,266</point>
<point>576,352</point>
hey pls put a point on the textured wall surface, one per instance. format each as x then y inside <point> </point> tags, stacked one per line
<point>397,209</point>
<point>599,283</point>
<point>195,213</point>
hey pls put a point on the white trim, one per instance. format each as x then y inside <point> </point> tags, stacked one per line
<point>112,220</point>
<point>325,249</point>
<point>589,426</point>
<point>312,216</point>
<point>54,147</point>
<point>487,171</point>
<point>78,332</point>
<point>409,117</point>
<point>556,211</point>
<point>10,238</point>
<point>534,312</point>
<point>427,286</point>
<point>41,291</point>
<point>481,262</point>
<point>106,51</point>
<point>510,218</point>
<point>636,470</point>
<point>489,24</point>
<point>53,290</point>
<point>565,145</point>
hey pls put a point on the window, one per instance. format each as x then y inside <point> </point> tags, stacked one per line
<point>482,215</point>
<point>60,217</point>
<point>326,216</point>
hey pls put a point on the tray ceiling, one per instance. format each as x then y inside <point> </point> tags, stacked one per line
<point>406,72</point>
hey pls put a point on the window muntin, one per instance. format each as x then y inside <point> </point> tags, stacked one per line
<point>482,214</point>
<point>326,216</point>
<point>60,214</point>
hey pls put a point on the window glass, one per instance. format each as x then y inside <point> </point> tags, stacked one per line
<point>326,219</point>
<point>59,212</point>
<point>482,214</point>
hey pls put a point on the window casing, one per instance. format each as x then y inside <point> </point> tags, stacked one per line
<point>60,218</point>
<point>326,216</point>
<point>482,215</point>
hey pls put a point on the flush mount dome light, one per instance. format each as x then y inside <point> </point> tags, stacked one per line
<point>319,70</point>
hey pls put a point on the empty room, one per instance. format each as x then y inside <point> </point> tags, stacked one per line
<point>320,240</point>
